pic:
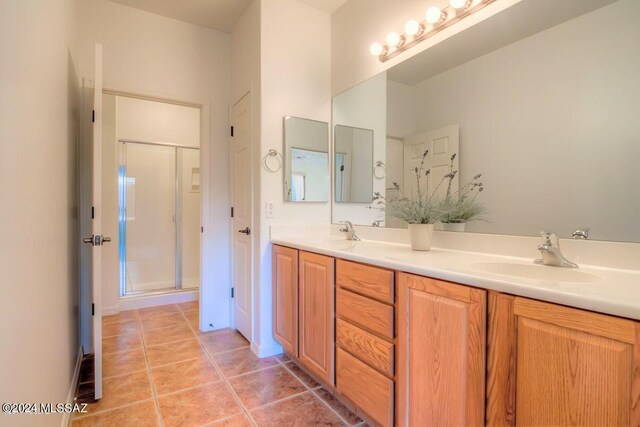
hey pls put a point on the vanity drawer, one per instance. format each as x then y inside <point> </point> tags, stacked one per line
<point>366,280</point>
<point>370,349</point>
<point>370,315</point>
<point>368,389</point>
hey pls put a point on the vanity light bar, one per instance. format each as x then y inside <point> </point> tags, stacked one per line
<point>436,20</point>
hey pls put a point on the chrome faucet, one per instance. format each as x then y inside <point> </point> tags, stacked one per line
<point>582,234</point>
<point>351,232</point>
<point>550,250</point>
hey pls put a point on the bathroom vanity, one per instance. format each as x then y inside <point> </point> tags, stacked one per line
<point>379,326</point>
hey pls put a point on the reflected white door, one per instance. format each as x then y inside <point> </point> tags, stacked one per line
<point>91,222</point>
<point>241,222</point>
<point>442,144</point>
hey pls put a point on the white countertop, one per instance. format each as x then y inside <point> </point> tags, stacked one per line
<point>605,290</point>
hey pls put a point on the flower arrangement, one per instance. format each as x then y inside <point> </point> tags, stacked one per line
<point>461,206</point>
<point>423,209</point>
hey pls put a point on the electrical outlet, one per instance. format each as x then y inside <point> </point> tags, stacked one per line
<point>269,210</point>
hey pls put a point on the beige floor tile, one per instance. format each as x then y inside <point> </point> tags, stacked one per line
<point>158,310</point>
<point>266,386</point>
<point>123,327</point>
<point>125,362</point>
<point>121,343</point>
<point>198,406</point>
<point>123,390</point>
<point>181,375</point>
<point>176,351</point>
<point>241,361</point>
<point>239,420</point>
<point>119,317</point>
<point>162,321</point>
<point>223,341</point>
<point>191,305</point>
<point>337,406</point>
<point>304,410</point>
<point>176,332</point>
<point>142,414</point>
<point>302,375</point>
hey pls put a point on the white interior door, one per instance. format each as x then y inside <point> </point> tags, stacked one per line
<point>442,144</point>
<point>241,222</point>
<point>91,222</point>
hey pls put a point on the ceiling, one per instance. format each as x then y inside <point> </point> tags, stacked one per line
<point>219,15</point>
<point>517,22</point>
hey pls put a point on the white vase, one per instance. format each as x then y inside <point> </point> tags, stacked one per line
<point>421,236</point>
<point>453,226</point>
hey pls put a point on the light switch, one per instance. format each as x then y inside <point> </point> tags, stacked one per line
<point>269,210</point>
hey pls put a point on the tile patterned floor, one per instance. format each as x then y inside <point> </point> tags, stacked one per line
<point>159,370</point>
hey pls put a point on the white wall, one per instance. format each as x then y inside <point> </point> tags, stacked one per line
<point>293,77</point>
<point>359,23</point>
<point>150,121</point>
<point>156,56</point>
<point>38,218</point>
<point>554,114</point>
<point>365,106</point>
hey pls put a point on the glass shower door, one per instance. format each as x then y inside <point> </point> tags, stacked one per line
<point>159,202</point>
<point>148,242</point>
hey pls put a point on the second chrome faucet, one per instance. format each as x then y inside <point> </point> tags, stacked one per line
<point>550,250</point>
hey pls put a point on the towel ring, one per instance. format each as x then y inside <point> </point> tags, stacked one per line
<point>380,170</point>
<point>277,155</point>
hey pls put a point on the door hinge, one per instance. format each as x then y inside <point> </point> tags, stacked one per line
<point>231,211</point>
<point>93,116</point>
<point>93,212</point>
<point>202,229</point>
<point>93,309</point>
<point>233,294</point>
<point>231,131</point>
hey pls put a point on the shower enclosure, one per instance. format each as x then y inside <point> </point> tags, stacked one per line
<point>159,217</point>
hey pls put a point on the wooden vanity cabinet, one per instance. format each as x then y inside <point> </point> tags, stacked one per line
<point>316,321</point>
<point>365,333</point>
<point>554,365</point>
<point>441,353</point>
<point>284,270</point>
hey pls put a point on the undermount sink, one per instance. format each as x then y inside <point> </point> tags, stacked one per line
<point>536,272</point>
<point>337,243</point>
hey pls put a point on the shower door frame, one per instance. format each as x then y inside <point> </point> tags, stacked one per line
<point>122,216</point>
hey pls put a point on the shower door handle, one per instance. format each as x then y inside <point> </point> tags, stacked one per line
<point>96,240</point>
<point>246,231</point>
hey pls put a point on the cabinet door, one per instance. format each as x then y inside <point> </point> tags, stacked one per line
<point>572,367</point>
<point>316,315</point>
<point>285,297</point>
<point>441,353</point>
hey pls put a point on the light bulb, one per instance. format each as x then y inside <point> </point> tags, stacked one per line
<point>459,4</point>
<point>393,39</point>
<point>376,49</point>
<point>434,15</point>
<point>412,28</point>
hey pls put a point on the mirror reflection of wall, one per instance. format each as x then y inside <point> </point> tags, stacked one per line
<point>353,164</point>
<point>306,171</point>
<point>546,110</point>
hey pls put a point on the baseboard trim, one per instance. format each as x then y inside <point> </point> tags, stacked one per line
<point>265,351</point>
<point>144,301</point>
<point>66,418</point>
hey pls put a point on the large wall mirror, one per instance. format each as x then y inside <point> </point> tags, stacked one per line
<point>542,100</point>
<point>306,160</point>
<point>353,160</point>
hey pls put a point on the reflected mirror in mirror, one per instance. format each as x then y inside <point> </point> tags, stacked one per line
<point>353,176</point>
<point>546,110</point>
<point>306,159</point>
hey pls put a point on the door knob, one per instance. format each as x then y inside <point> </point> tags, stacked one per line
<point>106,239</point>
<point>246,231</point>
<point>88,240</point>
